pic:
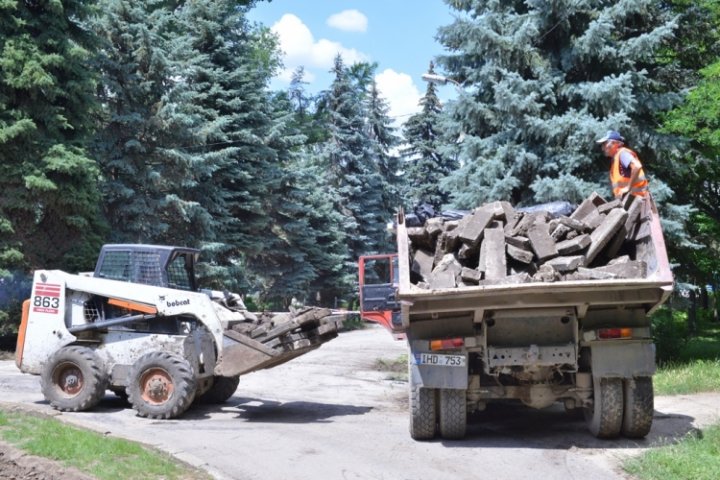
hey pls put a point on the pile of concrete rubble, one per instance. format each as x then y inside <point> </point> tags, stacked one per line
<point>496,244</point>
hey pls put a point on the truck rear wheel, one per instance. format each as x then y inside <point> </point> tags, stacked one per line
<point>161,385</point>
<point>605,417</point>
<point>73,379</point>
<point>222,389</point>
<point>639,407</point>
<point>453,413</point>
<point>422,412</point>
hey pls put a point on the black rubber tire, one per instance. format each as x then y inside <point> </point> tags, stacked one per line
<point>161,385</point>
<point>222,389</point>
<point>422,412</point>
<point>639,407</point>
<point>453,413</point>
<point>604,418</point>
<point>73,379</point>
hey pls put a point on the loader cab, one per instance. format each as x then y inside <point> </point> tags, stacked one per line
<point>378,279</point>
<point>157,265</point>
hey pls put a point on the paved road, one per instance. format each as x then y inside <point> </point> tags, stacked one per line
<point>331,415</point>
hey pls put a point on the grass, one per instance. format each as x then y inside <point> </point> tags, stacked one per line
<point>697,457</point>
<point>396,368</point>
<point>677,378</point>
<point>694,367</point>
<point>90,452</point>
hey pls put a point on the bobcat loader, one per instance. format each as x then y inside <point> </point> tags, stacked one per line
<point>138,326</point>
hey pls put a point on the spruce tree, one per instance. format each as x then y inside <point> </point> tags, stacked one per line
<point>384,141</point>
<point>424,164</point>
<point>146,170</point>
<point>349,155</point>
<point>542,80</point>
<point>49,215</point>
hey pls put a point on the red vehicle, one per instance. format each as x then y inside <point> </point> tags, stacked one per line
<point>378,278</point>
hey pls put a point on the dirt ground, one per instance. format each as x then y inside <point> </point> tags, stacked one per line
<point>17,465</point>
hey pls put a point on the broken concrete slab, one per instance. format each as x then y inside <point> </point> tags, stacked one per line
<point>445,274</point>
<point>495,262</point>
<point>606,207</point>
<point>475,224</point>
<point>470,275</point>
<point>565,264</point>
<point>574,245</point>
<point>519,242</point>
<point>541,242</point>
<point>522,256</point>
<point>602,235</point>
<point>422,263</point>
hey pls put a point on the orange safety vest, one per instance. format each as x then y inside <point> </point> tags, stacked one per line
<point>618,182</point>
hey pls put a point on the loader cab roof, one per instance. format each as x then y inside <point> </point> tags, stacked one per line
<point>158,265</point>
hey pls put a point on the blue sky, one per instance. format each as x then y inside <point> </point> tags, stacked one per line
<point>399,35</point>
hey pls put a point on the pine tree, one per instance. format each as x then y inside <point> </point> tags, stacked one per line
<point>425,166</point>
<point>349,155</point>
<point>49,215</point>
<point>146,171</point>
<point>384,141</point>
<point>544,79</point>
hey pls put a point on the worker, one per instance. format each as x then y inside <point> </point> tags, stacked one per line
<point>626,171</point>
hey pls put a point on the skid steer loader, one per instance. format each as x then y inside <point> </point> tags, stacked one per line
<point>138,326</point>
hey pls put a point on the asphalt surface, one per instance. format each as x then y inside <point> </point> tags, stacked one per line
<point>331,414</point>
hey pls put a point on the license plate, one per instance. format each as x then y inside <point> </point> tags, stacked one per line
<point>440,360</point>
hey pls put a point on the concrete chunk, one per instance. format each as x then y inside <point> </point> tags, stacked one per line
<point>573,245</point>
<point>472,229</point>
<point>606,207</point>
<point>566,264</point>
<point>422,263</point>
<point>541,242</point>
<point>495,263</point>
<point>522,256</point>
<point>446,273</point>
<point>519,242</point>
<point>604,233</point>
<point>434,226</point>
<point>470,275</point>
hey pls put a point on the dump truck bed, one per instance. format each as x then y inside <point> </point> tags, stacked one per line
<point>648,292</point>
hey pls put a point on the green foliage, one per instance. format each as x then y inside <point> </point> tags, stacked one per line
<point>425,165</point>
<point>670,333</point>
<point>541,81</point>
<point>697,457</point>
<point>49,203</point>
<point>684,378</point>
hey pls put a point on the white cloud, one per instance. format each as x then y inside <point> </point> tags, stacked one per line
<point>349,21</point>
<point>300,48</point>
<point>401,93</point>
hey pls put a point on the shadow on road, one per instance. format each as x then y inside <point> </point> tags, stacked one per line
<point>516,426</point>
<point>268,411</point>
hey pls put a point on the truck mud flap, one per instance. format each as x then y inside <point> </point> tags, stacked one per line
<point>438,376</point>
<point>625,360</point>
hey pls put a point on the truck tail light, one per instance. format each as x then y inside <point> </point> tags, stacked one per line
<point>609,333</point>
<point>447,344</point>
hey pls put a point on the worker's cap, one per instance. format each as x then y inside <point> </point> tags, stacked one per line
<point>612,135</point>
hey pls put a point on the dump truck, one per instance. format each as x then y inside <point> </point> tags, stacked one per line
<point>139,326</point>
<point>504,305</point>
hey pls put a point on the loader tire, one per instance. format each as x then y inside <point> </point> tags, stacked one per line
<point>422,412</point>
<point>161,385</point>
<point>604,417</point>
<point>221,390</point>
<point>73,379</point>
<point>453,414</point>
<point>639,407</point>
